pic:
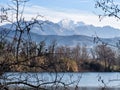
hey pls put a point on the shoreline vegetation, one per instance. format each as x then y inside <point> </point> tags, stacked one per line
<point>53,58</point>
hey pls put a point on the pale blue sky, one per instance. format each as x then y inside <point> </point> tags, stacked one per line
<point>77,10</point>
<point>83,5</point>
<point>61,5</point>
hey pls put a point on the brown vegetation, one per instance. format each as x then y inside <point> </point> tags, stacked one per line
<point>58,58</point>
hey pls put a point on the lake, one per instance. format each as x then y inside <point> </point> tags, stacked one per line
<point>85,79</point>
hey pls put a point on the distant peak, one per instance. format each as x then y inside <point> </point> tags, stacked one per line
<point>66,23</point>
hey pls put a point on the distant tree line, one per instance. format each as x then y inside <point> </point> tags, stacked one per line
<point>41,58</point>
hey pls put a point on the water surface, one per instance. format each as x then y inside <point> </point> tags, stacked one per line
<point>87,79</point>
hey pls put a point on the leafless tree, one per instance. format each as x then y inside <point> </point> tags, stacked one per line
<point>110,8</point>
<point>22,54</point>
<point>107,55</point>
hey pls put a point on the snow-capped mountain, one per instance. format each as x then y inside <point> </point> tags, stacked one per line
<point>69,27</point>
<point>70,33</point>
<point>67,24</point>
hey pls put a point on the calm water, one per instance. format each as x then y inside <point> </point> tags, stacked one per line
<point>88,79</point>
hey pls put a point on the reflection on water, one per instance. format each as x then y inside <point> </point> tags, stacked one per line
<point>96,81</point>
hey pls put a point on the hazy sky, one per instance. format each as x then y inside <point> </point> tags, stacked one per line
<point>77,10</point>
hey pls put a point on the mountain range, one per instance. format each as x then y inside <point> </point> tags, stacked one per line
<point>69,27</point>
<point>70,33</point>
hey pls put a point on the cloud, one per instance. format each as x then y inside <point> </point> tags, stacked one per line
<point>56,14</point>
<point>72,14</point>
<point>76,15</point>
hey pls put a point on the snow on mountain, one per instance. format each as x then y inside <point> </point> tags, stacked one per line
<point>67,24</point>
<point>69,27</point>
<point>70,33</point>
